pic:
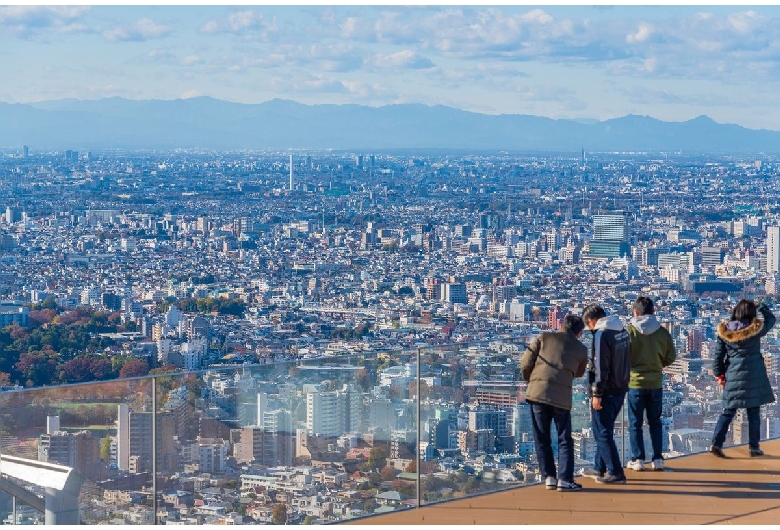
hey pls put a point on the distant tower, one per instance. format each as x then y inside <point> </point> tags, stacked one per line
<point>26,151</point>
<point>291,173</point>
<point>773,249</point>
<point>583,156</point>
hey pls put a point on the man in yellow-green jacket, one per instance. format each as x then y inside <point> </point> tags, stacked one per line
<point>652,349</point>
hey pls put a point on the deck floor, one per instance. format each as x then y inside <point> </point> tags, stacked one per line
<point>693,490</point>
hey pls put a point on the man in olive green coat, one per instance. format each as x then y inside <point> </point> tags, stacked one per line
<point>652,350</point>
<point>550,363</point>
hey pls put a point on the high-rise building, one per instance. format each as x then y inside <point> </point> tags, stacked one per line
<point>610,235</point>
<point>331,414</point>
<point>773,249</point>
<point>13,214</point>
<point>79,450</point>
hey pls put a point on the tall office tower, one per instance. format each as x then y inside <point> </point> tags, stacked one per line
<point>331,414</point>
<point>13,214</point>
<point>278,438</point>
<point>26,151</point>
<point>291,173</point>
<point>140,441</point>
<point>123,437</point>
<point>610,235</point>
<point>773,249</point>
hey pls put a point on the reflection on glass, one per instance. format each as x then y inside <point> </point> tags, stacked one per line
<point>90,433</point>
<point>320,440</point>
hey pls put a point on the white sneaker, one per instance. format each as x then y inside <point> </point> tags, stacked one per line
<point>636,465</point>
<point>551,483</point>
<point>658,464</point>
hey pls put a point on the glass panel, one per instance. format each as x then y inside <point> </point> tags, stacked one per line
<point>475,424</point>
<point>88,432</point>
<point>316,441</point>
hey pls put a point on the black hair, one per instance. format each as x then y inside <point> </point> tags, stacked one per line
<point>593,311</point>
<point>573,323</point>
<point>745,310</point>
<point>644,306</point>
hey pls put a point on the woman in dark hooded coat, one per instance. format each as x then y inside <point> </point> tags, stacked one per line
<point>740,370</point>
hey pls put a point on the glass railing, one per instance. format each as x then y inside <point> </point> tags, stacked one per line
<point>318,440</point>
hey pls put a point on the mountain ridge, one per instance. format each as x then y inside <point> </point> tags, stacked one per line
<point>206,122</point>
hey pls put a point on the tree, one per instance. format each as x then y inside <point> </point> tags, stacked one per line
<point>134,368</point>
<point>377,458</point>
<point>105,449</point>
<point>388,473</point>
<point>362,379</point>
<point>279,513</point>
<point>77,370</point>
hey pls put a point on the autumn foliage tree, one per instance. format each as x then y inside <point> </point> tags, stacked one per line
<point>279,513</point>
<point>134,368</point>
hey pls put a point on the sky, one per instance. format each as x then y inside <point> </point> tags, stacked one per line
<point>673,63</point>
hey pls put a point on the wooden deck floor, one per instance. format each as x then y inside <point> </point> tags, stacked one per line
<point>693,490</point>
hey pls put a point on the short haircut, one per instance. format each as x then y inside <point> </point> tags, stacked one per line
<point>644,306</point>
<point>573,323</point>
<point>593,311</point>
<point>745,310</point>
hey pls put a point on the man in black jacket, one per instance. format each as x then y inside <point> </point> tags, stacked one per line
<point>609,374</point>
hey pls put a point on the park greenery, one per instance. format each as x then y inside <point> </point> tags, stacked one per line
<point>60,346</point>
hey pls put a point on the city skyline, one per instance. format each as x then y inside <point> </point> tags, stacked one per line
<point>577,62</point>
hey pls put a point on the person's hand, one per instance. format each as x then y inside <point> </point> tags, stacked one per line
<point>595,402</point>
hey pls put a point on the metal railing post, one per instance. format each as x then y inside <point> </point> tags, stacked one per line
<point>419,428</point>
<point>154,450</point>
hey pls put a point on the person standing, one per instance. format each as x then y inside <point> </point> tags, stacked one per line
<point>608,374</point>
<point>652,350</point>
<point>550,363</point>
<point>740,370</point>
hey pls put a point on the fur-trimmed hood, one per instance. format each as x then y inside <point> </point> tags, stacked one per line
<point>753,329</point>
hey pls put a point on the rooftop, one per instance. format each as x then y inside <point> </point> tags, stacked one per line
<point>693,490</point>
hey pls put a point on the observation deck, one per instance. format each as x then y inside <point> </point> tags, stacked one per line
<point>693,490</point>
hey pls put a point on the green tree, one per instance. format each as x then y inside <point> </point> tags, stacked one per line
<point>377,458</point>
<point>105,449</point>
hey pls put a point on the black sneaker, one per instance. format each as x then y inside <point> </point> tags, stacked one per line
<point>717,451</point>
<point>568,486</point>
<point>611,479</point>
<point>592,473</point>
<point>756,452</point>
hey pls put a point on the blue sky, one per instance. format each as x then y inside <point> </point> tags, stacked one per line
<point>672,63</point>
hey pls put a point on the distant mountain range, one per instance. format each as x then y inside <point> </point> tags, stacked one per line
<point>280,124</point>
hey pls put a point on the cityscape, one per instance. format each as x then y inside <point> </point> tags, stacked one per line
<point>296,330</point>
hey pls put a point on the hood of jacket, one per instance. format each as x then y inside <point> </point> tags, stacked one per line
<point>738,335</point>
<point>612,322</point>
<point>646,324</point>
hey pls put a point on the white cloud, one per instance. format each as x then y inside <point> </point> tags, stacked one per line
<point>405,59</point>
<point>142,30</point>
<point>643,33</point>
<point>27,20</point>
<point>191,59</point>
<point>187,94</point>
<point>252,24</point>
